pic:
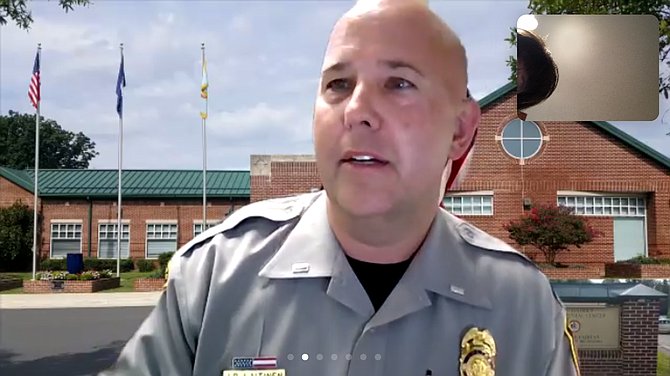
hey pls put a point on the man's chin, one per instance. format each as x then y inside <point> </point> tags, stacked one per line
<point>362,205</point>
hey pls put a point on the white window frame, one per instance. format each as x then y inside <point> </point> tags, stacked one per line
<point>114,223</point>
<point>64,222</point>
<point>210,223</point>
<point>451,196</point>
<point>159,223</point>
<point>604,202</point>
<point>521,139</point>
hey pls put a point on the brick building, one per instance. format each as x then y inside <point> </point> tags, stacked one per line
<point>620,184</point>
<point>161,210</point>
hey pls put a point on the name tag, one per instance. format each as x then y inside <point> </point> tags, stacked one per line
<point>255,372</point>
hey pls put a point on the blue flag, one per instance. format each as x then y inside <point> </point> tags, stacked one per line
<point>120,84</point>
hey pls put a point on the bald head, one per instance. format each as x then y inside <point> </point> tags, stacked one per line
<point>414,17</point>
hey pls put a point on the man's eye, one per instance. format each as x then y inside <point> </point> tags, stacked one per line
<point>397,83</point>
<point>338,84</point>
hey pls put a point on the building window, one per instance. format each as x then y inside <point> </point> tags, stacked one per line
<point>161,238</point>
<point>605,205</point>
<point>521,139</point>
<point>107,240</point>
<point>197,227</point>
<point>65,238</point>
<point>469,204</point>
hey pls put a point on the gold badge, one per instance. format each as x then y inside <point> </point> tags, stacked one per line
<point>478,353</point>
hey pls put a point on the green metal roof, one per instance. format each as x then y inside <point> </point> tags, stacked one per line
<point>604,126</point>
<point>135,184</point>
<point>571,292</point>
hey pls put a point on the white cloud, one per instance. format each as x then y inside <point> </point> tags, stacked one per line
<point>179,85</point>
<point>256,121</point>
<point>240,24</point>
<point>263,61</point>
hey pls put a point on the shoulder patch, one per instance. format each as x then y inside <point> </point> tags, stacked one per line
<point>276,210</point>
<point>480,239</point>
<point>573,348</point>
<point>167,272</point>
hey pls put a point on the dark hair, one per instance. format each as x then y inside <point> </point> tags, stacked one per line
<point>540,72</point>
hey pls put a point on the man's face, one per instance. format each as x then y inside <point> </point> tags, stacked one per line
<point>392,88</point>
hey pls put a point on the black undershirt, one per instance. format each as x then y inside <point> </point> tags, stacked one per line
<point>379,280</point>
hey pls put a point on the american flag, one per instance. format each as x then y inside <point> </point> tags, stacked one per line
<point>255,363</point>
<point>34,90</point>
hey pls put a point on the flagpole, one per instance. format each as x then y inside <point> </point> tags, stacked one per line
<point>37,167</point>
<point>204,156</point>
<point>119,228</point>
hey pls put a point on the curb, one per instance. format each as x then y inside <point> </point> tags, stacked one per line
<point>93,300</point>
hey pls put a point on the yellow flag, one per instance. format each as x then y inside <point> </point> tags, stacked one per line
<point>204,86</point>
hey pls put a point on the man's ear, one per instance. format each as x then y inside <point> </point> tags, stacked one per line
<point>466,125</point>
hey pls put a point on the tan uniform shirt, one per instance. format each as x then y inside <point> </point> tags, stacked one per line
<point>272,280</point>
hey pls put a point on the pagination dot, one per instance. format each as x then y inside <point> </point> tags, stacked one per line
<point>305,356</point>
<point>378,357</point>
<point>319,356</point>
<point>289,357</point>
<point>333,357</point>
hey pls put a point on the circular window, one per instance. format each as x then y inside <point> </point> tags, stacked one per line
<point>521,139</point>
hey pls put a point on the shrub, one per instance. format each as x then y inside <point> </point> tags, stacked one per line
<point>53,264</point>
<point>164,259</point>
<point>127,265</point>
<point>551,229</point>
<point>644,260</point>
<point>92,263</point>
<point>16,237</point>
<point>157,274</point>
<point>146,265</point>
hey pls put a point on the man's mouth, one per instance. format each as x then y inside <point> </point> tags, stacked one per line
<point>364,160</point>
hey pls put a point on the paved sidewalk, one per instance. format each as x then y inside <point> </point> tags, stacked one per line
<point>95,300</point>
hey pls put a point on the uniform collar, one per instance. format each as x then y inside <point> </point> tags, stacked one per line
<point>445,264</point>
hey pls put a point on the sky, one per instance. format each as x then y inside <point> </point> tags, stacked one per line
<point>263,60</point>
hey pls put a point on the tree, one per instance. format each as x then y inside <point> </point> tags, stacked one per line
<point>658,8</point>
<point>58,148</point>
<point>17,11</point>
<point>551,229</point>
<point>16,237</point>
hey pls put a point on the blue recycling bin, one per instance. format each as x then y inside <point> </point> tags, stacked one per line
<point>75,263</point>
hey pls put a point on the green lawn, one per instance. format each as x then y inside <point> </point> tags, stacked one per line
<point>663,364</point>
<point>126,281</point>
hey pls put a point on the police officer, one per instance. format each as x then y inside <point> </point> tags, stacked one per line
<point>368,277</point>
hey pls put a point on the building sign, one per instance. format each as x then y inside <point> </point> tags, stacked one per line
<point>594,327</point>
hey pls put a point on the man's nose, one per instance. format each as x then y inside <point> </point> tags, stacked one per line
<point>362,108</point>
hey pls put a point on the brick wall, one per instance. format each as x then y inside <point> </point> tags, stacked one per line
<point>637,355</point>
<point>71,287</point>
<point>636,271</point>
<point>591,272</point>
<point>575,157</point>
<point>185,212</point>
<point>639,337</point>
<point>148,284</point>
<point>282,175</point>
<point>10,193</point>
<point>600,362</point>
